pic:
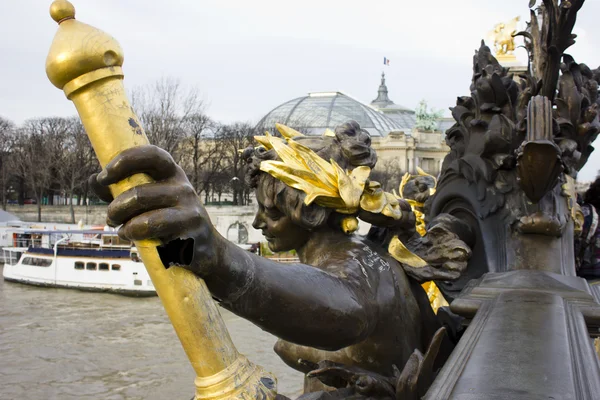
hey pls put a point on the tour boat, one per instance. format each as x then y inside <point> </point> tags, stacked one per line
<point>92,260</point>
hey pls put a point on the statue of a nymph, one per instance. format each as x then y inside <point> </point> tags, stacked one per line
<point>348,309</point>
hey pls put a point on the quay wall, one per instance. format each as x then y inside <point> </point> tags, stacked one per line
<point>223,218</point>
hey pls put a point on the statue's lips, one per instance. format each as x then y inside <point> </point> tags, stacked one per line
<point>268,237</point>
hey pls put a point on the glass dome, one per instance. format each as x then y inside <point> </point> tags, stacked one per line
<point>316,112</point>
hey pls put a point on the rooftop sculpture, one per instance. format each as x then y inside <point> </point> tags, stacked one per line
<point>503,37</point>
<point>496,236</point>
<point>426,120</point>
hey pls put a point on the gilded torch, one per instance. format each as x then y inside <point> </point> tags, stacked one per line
<point>86,64</point>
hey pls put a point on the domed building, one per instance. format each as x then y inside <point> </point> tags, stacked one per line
<point>316,112</point>
<point>400,146</point>
<point>405,117</point>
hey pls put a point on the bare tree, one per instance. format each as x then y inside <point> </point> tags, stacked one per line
<point>75,162</point>
<point>234,138</point>
<point>163,107</point>
<point>36,152</point>
<point>7,140</point>
<point>388,174</point>
<point>220,183</point>
<point>201,155</point>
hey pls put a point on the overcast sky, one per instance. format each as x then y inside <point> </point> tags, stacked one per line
<point>247,57</point>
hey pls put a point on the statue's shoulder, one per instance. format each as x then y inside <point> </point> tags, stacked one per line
<point>359,258</point>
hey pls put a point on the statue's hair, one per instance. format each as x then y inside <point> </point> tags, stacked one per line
<point>350,148</point>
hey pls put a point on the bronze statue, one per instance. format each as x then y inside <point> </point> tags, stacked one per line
<point>372,318</point>
<point>370,314</point>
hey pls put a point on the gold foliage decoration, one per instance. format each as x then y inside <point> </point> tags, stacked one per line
<point>399,251</point>
<point>415,205</point>
<point>329,185</point>
<point>325,183</point>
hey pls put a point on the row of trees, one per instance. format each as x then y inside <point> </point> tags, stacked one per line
<point>48,160</point>
<point>42,158</point>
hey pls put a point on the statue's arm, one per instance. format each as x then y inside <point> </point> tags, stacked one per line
<point>299,303</point>
<point>296,302</point>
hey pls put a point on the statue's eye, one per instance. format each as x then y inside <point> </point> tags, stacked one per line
<point>273,213</point>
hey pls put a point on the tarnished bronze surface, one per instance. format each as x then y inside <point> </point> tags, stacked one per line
<point>516,144</point>
<point>349,302</point>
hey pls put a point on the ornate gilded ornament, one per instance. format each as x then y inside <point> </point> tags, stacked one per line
<point>416,206</point>
<point>503,37</point>
<point>329,185</point>
<point>325,183</point>
<point>435,296</point>
<point>570,192</point>
<point>399,251</point>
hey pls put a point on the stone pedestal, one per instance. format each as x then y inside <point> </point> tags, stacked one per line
<point>529,336</point>
<point>514,66</point>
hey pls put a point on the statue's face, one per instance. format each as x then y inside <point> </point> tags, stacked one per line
<point>281,232</point>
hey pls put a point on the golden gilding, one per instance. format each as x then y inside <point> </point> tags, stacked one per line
<point>287,132</point>
<point>399,251</point>
<point>329,185</point>
<point>570,192</point>
<point>349,225</point>
<point>436,299</point>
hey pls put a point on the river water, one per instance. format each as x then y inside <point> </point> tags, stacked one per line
<point>66,344</point>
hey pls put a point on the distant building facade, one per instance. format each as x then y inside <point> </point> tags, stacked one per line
<point>399,144</point>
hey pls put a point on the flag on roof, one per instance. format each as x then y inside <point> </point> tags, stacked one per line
<point>386,61</point>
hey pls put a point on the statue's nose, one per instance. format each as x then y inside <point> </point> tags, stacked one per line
<point>259,222</point>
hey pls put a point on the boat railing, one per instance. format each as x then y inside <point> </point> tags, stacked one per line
<point>66,242</point>
<point>83,245</point>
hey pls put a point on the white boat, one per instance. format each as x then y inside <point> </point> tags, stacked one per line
<point>90,260</point>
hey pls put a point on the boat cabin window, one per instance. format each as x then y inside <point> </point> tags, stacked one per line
<point>12,257</point>
<point>79,265</point>
<point>91,266</point>
<point>108,240</point>
<point>103,267</point>
<point>37,262</point>
<point>116,267</point>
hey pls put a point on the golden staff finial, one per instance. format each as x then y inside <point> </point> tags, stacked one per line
<point>86,64</point>
<point>61,10</point>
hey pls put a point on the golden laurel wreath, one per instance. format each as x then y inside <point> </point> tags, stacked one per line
<point>329,185</point>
